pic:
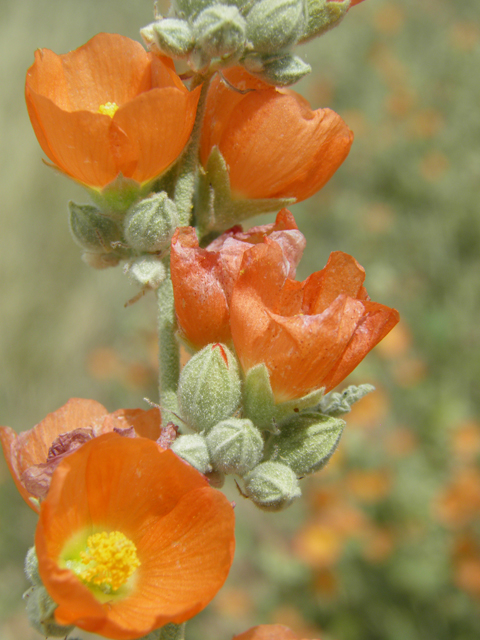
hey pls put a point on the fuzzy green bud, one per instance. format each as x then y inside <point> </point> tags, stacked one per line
<point>151,223</point>
<point>322,16</point>
<point>147,271</point>
<point>193,449</point>
<point>281,71</point>
<point>92,230</point>
<point>209,387</point>
<point>189,8</point>
<point>274,25</point>
<point>235,446</point>
<point>171,36</point>
<point>219,32</point>
<point>272,486</point>
<point>31,567</point>
<point>306,443</point>
<point>40,608</point>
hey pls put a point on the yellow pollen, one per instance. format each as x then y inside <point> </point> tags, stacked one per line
<point>108,562</point>
<point>108,109</point>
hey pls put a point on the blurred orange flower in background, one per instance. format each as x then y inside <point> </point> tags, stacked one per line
<point>309,334</point>
<point>274,145</point>
<point>33,455</point>
<point>268,632</point>
<point>203,279</point>
<point>109,107</point>
<point>176,535</point>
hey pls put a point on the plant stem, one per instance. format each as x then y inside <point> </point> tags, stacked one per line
<point>188,167</point>
<point>168,349</point>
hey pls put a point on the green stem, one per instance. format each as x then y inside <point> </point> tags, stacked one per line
<point>169,352</point>
<point>188,167</point>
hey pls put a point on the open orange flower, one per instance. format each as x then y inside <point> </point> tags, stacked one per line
<point>309,334</point>
<point>273,143</point>
<point>268,632</point>
<point>203,279</point>
<point>109,107</point>
<point>131,538</point>
<point>33,455</point>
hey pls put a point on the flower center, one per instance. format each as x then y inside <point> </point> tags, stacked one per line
<point>108,561</point>
<point>108,109</point>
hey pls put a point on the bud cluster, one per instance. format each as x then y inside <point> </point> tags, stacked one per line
<point>239,430</point>
<point>212,34</point>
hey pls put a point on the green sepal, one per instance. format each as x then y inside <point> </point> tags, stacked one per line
<point>31,568</point>
<point>272,486</point>
<point>118,196</point>
<point>337,404</point>
<point>216,209</point>
<point>280,70</point>
<point>192,448</point>
<point>306,442</point>
<point>40,611</point>
<point>323,15</point>
<point>286,410</point>
<point>92,230</point>
<point>258,400</point>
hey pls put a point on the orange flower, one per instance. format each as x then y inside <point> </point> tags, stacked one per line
<point>109,107</point>
<point>203,279</point>
<point>274,145</point>
<point>33,455</point>
<point>131,538</point>
<point>309,334</point>
<point>268,632</point>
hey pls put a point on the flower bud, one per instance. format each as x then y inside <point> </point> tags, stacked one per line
<point>151,223</point>
<point>219,31</point>
<point>280,71</point>
<point>193,449</point>
<point>171,36</point>
<point>209,387</point>
<point>322,16</point>
<point>40,608</point>
<point>307,442</point>
<point>274,25</point>
<point>92,230</point>
<point>189,8</point>
<point>272,486</point>
<point>235,446</point>
<point>31,568</point>
<point>147,271</point>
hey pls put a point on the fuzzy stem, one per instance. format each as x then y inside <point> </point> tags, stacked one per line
<point>168,349</point>
<point>188,167</point>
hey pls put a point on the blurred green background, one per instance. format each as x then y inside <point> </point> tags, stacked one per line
<point>386,544</point>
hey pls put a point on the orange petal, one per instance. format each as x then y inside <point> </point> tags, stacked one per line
<point>158,124</point>
<point>31,447</point>
<point>378,320</point>
<point>147,424</point>
<point>79,141</point>
<point>201,303</point>
<point>342,274</point>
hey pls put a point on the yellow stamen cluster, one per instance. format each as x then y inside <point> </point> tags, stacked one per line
<point>110,560</point>
<point>108,109</point>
